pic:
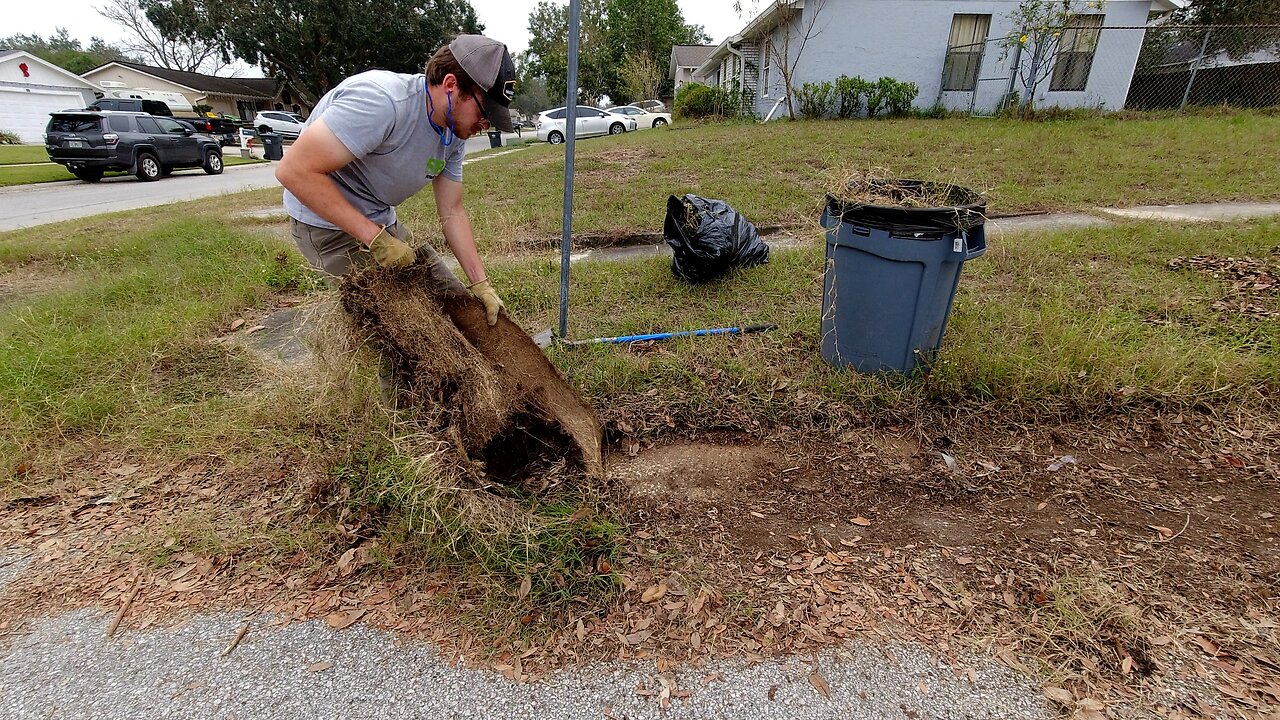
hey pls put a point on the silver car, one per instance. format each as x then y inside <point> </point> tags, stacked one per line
<point>590,121</point>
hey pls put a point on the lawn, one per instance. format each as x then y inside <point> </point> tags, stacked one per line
<point>53,172</point>
<point>11,154</point>
<point>1087,475</point>
<point>776,174</point>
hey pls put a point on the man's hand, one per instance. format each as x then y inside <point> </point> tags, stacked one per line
<point>485,293</point>
<point>391,252</point>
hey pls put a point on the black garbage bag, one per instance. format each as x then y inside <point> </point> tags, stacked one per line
<point>707,238</point>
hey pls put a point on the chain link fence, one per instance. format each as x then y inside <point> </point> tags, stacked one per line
<point>1114,68</point>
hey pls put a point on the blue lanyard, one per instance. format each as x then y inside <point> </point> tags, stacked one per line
<point>448,113</point>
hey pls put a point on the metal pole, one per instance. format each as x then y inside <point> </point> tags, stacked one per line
<point>570,134</point>
<point>1204,47</point>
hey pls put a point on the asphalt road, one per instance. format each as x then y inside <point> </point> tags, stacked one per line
<point>30,205</point>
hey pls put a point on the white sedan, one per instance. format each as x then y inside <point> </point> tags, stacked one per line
<point>590,121</point>
<point>644,118</point>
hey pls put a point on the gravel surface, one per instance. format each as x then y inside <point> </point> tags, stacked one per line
<point>64,667</point>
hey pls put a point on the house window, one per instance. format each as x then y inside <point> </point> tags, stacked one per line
<point>764,76</point>
<point>1076,48</point>
<point>964,52</point>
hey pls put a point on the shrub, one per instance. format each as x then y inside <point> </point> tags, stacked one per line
<point>850,92</point>
<point>695,100</point>
<point>8,138</point>
<point>816,99</point>
<point>890,94</point>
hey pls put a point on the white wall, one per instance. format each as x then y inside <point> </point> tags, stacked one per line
<point>907,40</point>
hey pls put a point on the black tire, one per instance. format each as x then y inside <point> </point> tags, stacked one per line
<point>88,175</point>
<point>263,129</point>
<point>213,162</point>
<point>616,129</point>
<point>149,169</point>
<point>555,137</point>
<point>659,122</point>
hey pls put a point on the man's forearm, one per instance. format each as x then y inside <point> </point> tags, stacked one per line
<point>321,195</point>
<point>456,226</point>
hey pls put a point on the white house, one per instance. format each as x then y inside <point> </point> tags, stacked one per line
<point>684,60</point>
<point>31,88</point>
<point>242,97</point>
<point>951,50</point>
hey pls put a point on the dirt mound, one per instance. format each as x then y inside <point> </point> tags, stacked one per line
<point>496,393</point>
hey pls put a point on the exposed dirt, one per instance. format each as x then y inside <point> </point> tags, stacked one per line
<point>492,387</point>
<point>22,283</point>
<point>1127,560</point>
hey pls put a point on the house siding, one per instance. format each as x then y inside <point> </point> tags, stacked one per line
<point>907,40</point>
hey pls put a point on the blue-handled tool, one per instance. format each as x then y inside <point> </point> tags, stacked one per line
<point>668,335</point>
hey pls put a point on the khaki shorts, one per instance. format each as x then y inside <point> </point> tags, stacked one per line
<point>338,253</point>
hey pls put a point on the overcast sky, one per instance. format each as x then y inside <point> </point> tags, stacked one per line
<point>506,20</point>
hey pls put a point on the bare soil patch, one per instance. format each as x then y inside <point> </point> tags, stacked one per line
<point>26,282</point>
<point>1130,561</point>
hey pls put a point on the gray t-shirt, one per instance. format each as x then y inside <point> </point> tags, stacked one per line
<point>381,117</point>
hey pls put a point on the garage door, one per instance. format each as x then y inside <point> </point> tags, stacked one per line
<point>27,112</point>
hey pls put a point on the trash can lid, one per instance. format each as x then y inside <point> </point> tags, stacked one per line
<point>906,205</point>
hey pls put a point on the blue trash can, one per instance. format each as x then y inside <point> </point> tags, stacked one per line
<point>891,274</point>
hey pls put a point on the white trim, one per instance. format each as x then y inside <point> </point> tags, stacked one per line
<point>50,66</point>
<point>144,72</point>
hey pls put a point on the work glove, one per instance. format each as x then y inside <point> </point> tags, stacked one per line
<point>390,251</point>
<point>485,293</point>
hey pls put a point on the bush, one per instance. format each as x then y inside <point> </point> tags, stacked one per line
<point>695,100</point>
<point>8,138</point>
<point>850,92</point>
<point>816,100</point>
<point>887,93</point>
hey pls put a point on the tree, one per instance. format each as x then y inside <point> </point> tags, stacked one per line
<point>641,34</point>
<point>1236,41</point>
<point>65,52</point>
<point>1037,30</point>
<point>312,45</point>
<point>785,48</point>
<point>532,96</point>
<point>148,43</point>
<point>641,78</point>
<point>549,49</point>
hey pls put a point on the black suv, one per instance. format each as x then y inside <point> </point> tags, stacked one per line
<point>90,143</point>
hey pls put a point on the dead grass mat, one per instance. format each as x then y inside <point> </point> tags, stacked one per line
<point>1129,563</point>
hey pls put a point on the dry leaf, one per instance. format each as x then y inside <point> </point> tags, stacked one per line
<point>525,586</point>
<point>125,470</point>
<point>1165,532</point>
<point>255,329</point>
<point>819,682</point>
<point>1062,696</point>
<point>964,560</point>
<point>773,692</point>
<point>344,620</point>
<point>654,594</point>
<point>320,666</point>
<point>236,324</point>
<point>860,521</point>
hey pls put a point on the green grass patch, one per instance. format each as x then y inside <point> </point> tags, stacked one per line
<point>777,173</point>
<point>11,154</point>
<point>1068,322</point>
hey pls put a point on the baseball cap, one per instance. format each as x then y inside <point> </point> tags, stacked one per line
<point>488,64</point>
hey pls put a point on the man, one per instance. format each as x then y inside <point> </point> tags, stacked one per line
<point>378,138</point>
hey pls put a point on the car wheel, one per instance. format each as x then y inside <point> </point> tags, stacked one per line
<point>213,162</point>
<point>148,167</point>
<point>659,122</point>
<point>87,175</point>
<point>555,138</point>
<point>616,129</point>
